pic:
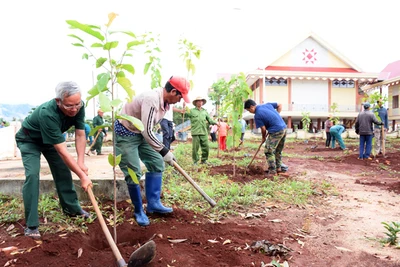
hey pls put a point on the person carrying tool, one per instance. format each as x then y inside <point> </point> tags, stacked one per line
<point>266,117</point>
<point>364,128</point>
<point>134,145</point>
<point>379,134</point>
<point>101,133</point>
<point>198,120</point>
<point>42,133</point>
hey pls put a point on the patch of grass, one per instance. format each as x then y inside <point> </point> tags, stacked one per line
<point>230,195</point>
<point>393,230</point>
<point>10,209</point>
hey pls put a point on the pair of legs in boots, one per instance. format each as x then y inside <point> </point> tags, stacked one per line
<point>273,152</point>
<point>134,149</point>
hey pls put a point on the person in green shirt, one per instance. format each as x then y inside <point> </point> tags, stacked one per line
<point>199,118</point>
<point>101,133</point>
<point>42,133</point>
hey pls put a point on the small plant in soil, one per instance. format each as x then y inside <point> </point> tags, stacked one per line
<point>393,230</point>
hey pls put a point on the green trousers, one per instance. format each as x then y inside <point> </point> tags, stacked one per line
<point>200,141</point>
<point>134,149</point>
<point>31,151</point>
<point>99,144</point>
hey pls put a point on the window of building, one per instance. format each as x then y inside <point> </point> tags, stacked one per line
<point>343,83</point>
<point>395,101</point>
<point>275,82</point>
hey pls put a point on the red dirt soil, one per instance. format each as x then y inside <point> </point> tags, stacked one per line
<point>226,242</point>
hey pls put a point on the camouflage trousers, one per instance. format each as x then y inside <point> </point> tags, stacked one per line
<point>273,149</point>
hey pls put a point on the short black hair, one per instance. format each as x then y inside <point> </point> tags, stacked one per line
<point>168,86</point>
<point>249,103</point>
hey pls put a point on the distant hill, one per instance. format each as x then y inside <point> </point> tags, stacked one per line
<point>18,111</point>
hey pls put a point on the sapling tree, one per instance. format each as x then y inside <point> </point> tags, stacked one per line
<point>305,120</point>
<point>335,116</point>
<point>112,53</point>
<point>219,91</point>
<point>238,92</point>
<point>189,51</point>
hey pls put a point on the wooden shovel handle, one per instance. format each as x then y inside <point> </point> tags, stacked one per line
<point>120,261</point>
<point>255,154</point>
<point>209,200</point>
<point>94,141</point>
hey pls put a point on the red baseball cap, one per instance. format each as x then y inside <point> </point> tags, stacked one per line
<point>182,85</point>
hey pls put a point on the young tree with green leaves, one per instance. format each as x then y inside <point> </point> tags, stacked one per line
<point>114,56</point>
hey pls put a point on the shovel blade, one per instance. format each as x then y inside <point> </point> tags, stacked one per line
<point>143,255</point>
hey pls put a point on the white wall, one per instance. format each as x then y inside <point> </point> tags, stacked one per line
<point>8,147</point>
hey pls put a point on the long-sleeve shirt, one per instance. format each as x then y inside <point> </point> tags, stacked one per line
<point>98,121</point>
<point>383,115</point>
<point>149,108</point>
<point>364,122</point>
<point>198,121</point>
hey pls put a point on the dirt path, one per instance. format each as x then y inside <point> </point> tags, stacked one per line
<point>353,219</point>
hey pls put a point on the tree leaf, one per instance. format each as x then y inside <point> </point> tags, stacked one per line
<point>136,122</point>
<point>85,28</point>
<point>126,84</point>
<point>175,241</point>
<point>97,45</point>
<point>110,45</point>
<point>133,176</point>
<point>111,159</point>
<point>105,104</point>
<point>134,43</point>
<point>128,67</point>
<point>76,37</point>
<point>100,62</point>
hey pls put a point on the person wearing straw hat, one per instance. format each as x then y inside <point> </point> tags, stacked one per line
<point>199,129</point>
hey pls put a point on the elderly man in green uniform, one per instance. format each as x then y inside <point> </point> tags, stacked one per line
<point>101,133</point>
<point>42,133</point>
<point>199,129</point>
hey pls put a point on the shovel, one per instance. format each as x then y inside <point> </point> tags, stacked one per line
<point>139,257</point>
<point>198,188</point>
<point>255,155</point>
<point>383,141</point>
<point>94,142</point>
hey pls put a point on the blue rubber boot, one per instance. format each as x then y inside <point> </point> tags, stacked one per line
<point>153,192</point>
<point>136,198</point>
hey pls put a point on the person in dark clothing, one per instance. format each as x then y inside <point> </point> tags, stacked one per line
<point>101,133</point>
<point>383,117</point>
<point>364,127</point>
<point>328,125</point>
<point>42,133</point>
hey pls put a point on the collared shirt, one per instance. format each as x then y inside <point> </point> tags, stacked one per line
<point>48,123</point>
<point>198,121</point>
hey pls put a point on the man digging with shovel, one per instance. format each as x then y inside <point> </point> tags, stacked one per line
<point>268,119</point>
<point>134,145</point>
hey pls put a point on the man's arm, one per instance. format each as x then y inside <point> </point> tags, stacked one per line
<point>279,108</point>
<point>72,164</point>
<point>263,133</point>
<point>80,145</point>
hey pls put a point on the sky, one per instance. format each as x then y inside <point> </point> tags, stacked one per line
<point>233,35</point>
